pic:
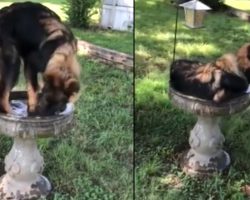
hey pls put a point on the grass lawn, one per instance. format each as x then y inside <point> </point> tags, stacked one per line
<point>116,40</point>
<point>161,130</point>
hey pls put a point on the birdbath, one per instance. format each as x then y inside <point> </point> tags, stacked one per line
<point>24,164</point>
<point>206,155</point>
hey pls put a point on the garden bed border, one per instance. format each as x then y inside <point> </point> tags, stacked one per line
<point>107,56</point>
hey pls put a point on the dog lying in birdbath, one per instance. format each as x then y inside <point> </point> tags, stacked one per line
<point>210,90</point>
<point>218,81</point>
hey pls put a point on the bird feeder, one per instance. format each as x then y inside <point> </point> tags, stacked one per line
<point>194,13</point>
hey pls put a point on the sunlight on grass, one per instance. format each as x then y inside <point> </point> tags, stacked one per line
<point>150,3</point>
<point>142,51</point>
<point>193,50</point>
<point>172,180</point>
<point>119,41</point>
<point>151,90</point>
<point>162,37</point>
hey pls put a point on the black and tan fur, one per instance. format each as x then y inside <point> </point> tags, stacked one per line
<point>9,71</point>
<point>218,81</point>
<point>243,58</point>
<point>46,46</point>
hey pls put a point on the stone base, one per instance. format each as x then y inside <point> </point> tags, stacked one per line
<point>13,190</point>
<point>202,165</point>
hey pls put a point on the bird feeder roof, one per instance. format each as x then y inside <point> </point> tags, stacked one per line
<point>195,5</point>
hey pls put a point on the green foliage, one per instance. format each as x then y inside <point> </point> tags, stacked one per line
<point>79,12</point>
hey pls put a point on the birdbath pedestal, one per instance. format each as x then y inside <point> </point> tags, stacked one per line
<point>24,164</point>
<point>206,155</point>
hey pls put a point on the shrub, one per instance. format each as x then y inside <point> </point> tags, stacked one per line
<point>79,12</point>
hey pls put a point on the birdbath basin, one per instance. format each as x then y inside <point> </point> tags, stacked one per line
<point>206,155</point>
<point>24,164</point>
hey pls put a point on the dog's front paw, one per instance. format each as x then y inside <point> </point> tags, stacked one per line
<point>219,96</point>
<point>32,110</point>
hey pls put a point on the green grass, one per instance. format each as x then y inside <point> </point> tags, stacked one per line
<point>161,130</point>
<point>116,40</point>
<point>119,41</point>
<point>95,160</point>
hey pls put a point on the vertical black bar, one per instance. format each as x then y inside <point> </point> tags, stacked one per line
<point>134,111</point>
<point>175,31</point>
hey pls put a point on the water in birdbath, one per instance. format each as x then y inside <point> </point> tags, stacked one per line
<point>20,108</point>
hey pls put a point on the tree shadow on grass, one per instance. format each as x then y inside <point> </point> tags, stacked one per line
<point>161,137</point>
<point>221,34</point>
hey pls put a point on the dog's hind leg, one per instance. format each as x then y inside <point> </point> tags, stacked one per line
<point>219,96</point>
<point>5,102</point>
<point>4,99</point>
<point>9,73</point>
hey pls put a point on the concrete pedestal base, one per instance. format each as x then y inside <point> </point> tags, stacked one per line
<point>206,155</point>
<point>23,166</point>
<point>12,189</point>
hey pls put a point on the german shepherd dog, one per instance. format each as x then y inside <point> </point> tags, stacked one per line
<point>243,58</point>
<point>217,81</point>
<point>9,70</point>
<point>33,33</point>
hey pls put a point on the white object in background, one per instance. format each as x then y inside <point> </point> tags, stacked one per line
<point>117,14</point>
<point>194,13</point>
<point>195,5</point>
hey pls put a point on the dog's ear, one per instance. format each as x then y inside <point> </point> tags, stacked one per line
<point>243,57</point>
<point>248,52</point>
<point>53,80</point>
<point>72,86</point>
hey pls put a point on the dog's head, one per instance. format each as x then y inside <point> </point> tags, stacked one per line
<point>61,84</point>
<point>243,58</point>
